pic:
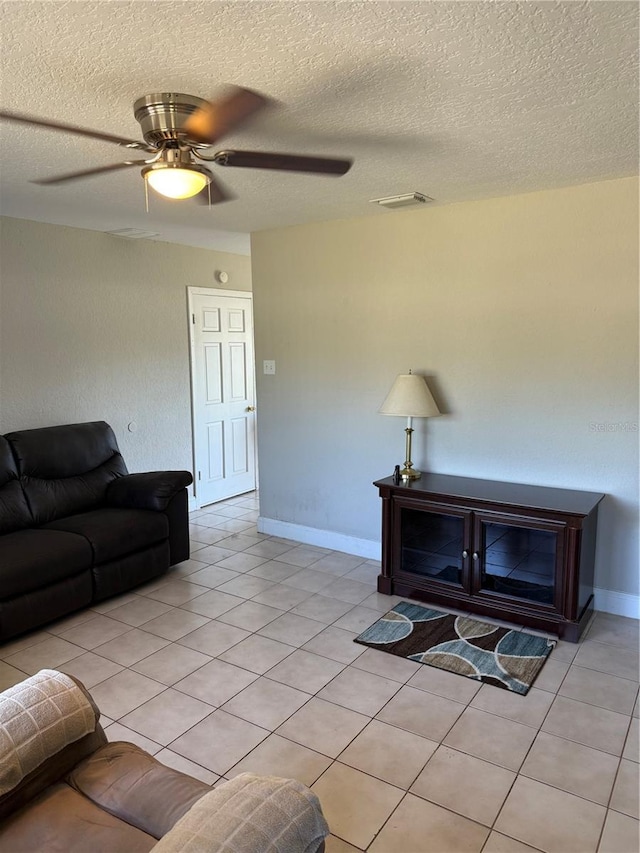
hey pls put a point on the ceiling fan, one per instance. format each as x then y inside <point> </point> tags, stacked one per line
<point>176,129</point>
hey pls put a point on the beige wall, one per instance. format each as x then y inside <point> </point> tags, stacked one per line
<point>524,310</point>
<point>94,327</point>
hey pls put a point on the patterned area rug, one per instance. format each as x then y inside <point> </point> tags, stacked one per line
<point>499,656</point>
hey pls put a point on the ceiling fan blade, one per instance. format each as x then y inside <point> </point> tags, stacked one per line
<point>72,128</point>
<point>216,191</point>
<point>220,117</point>
<point>88,173</point>
<point>286,162</point>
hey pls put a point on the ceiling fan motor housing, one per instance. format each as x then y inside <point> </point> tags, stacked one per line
<point>176,158</point>
<point>162,116</point>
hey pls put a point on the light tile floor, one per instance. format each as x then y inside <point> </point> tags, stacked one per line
<point>242,658</point>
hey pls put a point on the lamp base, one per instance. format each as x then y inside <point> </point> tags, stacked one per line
<point>409,474</point>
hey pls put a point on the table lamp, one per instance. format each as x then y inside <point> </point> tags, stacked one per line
<point>409,398</point>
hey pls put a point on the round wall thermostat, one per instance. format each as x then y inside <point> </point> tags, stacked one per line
<point>222,276</point>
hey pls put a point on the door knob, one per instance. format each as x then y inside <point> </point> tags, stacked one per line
<point>465,554</point>
<point>475,556</point>
<point>250,409</point>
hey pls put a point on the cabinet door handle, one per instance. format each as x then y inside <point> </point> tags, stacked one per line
<point>465,554</point>
<point>475,556</point>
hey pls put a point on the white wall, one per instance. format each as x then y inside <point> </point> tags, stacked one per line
<point>94,327</point>
<point>523,310</point>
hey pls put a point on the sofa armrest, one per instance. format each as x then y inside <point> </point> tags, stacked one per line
<point>59,728</point>
<point>152,491</point>
<point>251,814</point>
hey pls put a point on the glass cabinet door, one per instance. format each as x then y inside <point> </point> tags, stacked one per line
<point>517,561</point>
<point>431,545</point>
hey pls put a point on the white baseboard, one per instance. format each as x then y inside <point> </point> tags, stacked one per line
<point>606,600</point>
<point>365,548</point>
<point>620,603</point>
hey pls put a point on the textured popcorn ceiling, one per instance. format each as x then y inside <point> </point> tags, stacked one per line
<point>458,100</point>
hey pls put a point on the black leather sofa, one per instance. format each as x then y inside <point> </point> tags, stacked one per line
<point>76,527</point>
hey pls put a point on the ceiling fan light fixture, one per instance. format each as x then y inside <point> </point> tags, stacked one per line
<point>174,180</point>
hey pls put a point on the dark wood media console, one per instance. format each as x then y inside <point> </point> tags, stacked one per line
<point>504,550</point>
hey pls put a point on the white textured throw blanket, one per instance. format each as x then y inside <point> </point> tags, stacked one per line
<point>250,814</point>
<point>38,718</point>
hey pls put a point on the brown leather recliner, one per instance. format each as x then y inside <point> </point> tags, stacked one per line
<point>90,796</point>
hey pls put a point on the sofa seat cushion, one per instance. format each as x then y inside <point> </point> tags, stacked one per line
<point>127,782</point>
<point>61,820</point>
<point>34,559</point>
<point>111,533</point>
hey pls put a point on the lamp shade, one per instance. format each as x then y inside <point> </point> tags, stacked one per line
<point>175,182</point>
<point>410,398</point>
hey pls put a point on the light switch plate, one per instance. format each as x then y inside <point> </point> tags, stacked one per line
<point>269,367</point>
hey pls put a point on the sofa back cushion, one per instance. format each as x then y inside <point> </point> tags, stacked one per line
<point>66,469</point>
<point>14,510</point>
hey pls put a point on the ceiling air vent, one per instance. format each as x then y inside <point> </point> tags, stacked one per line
<point>133,233</point>
<point>407,200</point>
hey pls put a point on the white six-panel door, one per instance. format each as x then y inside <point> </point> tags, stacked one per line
<point>223,395</point>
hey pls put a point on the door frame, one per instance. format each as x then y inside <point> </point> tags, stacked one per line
<point>208,291</point>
